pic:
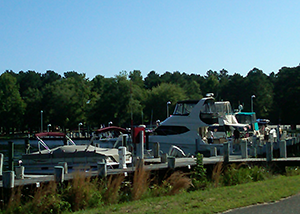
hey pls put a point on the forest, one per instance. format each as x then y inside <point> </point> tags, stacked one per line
<point>62,102</point>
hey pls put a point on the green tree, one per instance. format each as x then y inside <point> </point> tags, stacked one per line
<point>258,84</point>
<point>152,80</point>
<point>12,106</point>
<point>287,91</point>
<point>158,97</point>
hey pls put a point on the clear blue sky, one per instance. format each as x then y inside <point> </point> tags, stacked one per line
<point>105,37</point>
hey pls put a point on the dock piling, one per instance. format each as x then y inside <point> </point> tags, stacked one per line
<point>163,158</point>
<point>140,146</point>
<point>282,148</point>
<point>156,148</point>
<point>1,163</point>
<point>19,172</point>
<point>171,162</point>
<point>244,149</point>
<point>102,169</point>
<point>59,174</point>
<point>11,155</point>
<point>226,152</point>
<point>269,151</point>
<point>122,157</point>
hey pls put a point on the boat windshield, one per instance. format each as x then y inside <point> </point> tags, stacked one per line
<point>224,108</point>
<point>184,107</point>
<point>208,112</point>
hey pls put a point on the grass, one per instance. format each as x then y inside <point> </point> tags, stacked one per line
<point>212,200</point>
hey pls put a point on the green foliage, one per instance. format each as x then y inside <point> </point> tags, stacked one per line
<point>242,173</point>
<point>292,170</point>
<point>199,177</point>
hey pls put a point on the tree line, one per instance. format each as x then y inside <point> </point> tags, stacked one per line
<point>65,101</point>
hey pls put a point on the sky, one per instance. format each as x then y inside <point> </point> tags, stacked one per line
<point>106,37</point>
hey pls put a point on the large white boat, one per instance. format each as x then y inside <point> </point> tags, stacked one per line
<point>78,157</point>
<point>187,128</point>
<point>187,124</point>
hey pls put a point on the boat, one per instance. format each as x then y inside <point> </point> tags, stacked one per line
<point>78,157</point>
<point>111,137</point>
<point>187,124</point>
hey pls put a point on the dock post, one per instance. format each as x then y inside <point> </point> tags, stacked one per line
<point>163,158</point>
<point>102,169</point>
<point>156,148</point>
<point>197,145</point>
<point>19,172</point>
<point>124,140</point>
<point>140,146</point>
<point>11,155</point>
<point>64,165</point>
<point>8,181</point>
<point>59,174</point>
<point>269,151</point>
<point>244,149</point>
<point>1,163</point>
<point>282,148</point>
<point>213,151</point>
<point>226,152</point>
<point>27,146</point>
<point>171,162</point>
<point>122,157</point>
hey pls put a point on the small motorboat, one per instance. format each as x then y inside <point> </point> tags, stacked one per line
<point>78,157</point>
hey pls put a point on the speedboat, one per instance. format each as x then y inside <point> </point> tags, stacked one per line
<point>187,126</point>
<point>110,137</point>
<point>78,157</point>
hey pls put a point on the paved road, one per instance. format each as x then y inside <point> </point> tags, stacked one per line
<point>285,206</point>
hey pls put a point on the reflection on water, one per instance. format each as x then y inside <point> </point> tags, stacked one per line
<point>19,147</point>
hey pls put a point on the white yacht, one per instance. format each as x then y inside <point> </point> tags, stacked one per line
<point>187,124</point>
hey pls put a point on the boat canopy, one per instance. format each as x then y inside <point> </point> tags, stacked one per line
<point>52,134</point>
<point>112,128</point>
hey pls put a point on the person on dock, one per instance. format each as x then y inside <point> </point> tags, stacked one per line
<point>266,133</point>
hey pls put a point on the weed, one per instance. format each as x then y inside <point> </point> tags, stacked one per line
<point>140,182</point>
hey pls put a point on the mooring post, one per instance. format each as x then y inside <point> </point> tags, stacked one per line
<point>269,151</point>
<point>156,148</point>
<point>27,146</point>
<point>197,142</point>
<point>122,157</point>
<point>171,162</point>
<point>59,174</point>
<point>124,140</point>
<point>140,146</point>
<point>244,149</point>
<point>64,165</point>
<point>1,163</point>
<point>8,180</point>
<point>282,148</point>
<point>19,172</point>
<point>213,151</point>
<point>11,155</point>
<point>163,158</point>
<point>226,152</point>
<point>102,169</point>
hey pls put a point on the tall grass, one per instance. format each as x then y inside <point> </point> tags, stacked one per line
<point>141,181</point>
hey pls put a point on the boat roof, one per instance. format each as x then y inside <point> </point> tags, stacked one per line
<point>111,128</point>
<point>52,134</point>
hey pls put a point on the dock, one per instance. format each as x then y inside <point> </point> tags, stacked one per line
<point>155,165</point>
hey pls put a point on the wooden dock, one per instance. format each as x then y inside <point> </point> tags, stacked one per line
<point>154,164</point>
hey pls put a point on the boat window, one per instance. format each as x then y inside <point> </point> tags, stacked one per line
<point>208,112</point>
<point>170,130</point>
<point>184,108</point>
